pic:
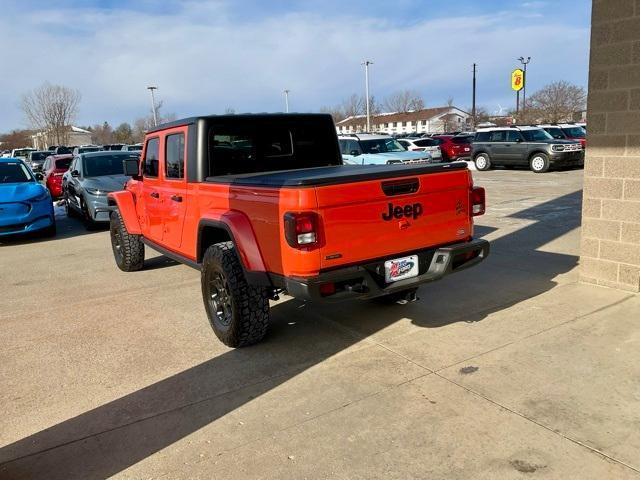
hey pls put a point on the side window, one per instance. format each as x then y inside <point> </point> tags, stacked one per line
<point>513,136</point>
<point>150,167</point>
<point>174,156</point>
<point>483,136</point>
<point>353,145</point>
<point>497,136</point>
<point>343,147</point>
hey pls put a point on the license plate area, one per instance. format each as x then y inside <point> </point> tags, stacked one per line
<point>401,268</point>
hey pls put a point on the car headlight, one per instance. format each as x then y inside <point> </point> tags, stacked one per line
<point>557,148</point>
<point>41,197</point>
<point>96,191</point>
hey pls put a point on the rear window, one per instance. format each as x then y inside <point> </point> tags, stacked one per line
<point>39,156</point>
<point>427,142</point>
<point>63,163</point>
<point>238,149</point>
<point>462,140</point>
<point>14,172</point>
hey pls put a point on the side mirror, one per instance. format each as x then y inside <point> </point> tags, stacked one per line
<point>75,173</point>
<point>355,153</point>
<point>131,167</point>
<point>39,177</point>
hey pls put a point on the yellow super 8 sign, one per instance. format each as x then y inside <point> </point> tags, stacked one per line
<point>517,79</point>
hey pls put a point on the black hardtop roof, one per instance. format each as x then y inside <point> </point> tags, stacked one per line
<point>105,153</point>
<point>236,117</point>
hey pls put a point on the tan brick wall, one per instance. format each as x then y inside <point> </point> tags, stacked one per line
<point>610,246</point>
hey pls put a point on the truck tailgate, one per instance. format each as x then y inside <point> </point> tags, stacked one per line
<point>392,216</point>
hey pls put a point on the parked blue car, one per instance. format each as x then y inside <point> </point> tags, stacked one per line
<point>370,149</point>
<point>25,204</point>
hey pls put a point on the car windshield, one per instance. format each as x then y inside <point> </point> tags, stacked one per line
<point>535,135</point>
<point>63,164</point>
<point>574,132</point>
<point>14,172</point>
<point>555,132</point>
<point>101,165</point>
<point>381,145</point>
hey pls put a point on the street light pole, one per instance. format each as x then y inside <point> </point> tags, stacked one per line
<point>366,64</point>
<point>473,102</point>
<point>524,83</point>
<point>153,105</point>
<point>286,100</point>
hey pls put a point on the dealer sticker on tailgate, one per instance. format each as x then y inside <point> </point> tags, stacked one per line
<point>401,268</point>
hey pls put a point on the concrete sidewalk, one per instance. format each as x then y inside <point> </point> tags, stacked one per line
<point>508,370</point>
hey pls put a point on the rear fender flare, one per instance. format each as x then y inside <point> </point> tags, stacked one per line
<point>126,204</point>
<point>239,228</point>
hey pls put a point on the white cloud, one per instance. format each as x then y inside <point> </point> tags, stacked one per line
<point>203,59</point>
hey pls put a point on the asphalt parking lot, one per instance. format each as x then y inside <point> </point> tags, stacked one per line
<point>508,370</point>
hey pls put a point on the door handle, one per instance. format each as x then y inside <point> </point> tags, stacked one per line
<point>176,198</point>
<point>155,194</point>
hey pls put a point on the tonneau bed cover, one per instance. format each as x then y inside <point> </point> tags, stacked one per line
<point>332,175</point>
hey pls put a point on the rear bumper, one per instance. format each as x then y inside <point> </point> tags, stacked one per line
<point>367,280</point>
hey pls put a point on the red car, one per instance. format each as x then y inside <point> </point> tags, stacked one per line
<point>53,169</point>
<point>454,147</point>
<point>567,131</point>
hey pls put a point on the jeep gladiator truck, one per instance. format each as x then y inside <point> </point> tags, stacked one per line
<point>262,204</point>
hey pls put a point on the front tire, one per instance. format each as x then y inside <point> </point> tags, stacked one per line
<point>238,312</point>
<point>128,249</point>
<point>539,163</point>
<point>482,161</point>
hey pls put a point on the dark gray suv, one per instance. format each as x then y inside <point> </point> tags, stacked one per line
<point>531,147</point>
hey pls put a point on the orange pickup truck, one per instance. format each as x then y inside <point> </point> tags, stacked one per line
<point>262,204</point>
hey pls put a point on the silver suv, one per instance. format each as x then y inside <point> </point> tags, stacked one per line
<point>531,147</point>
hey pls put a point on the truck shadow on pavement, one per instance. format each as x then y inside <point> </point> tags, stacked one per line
<point>114,436</point>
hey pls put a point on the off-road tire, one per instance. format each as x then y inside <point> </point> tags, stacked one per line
<point>539,162</point>
<point>484,163</point>
<point>247,319</point>
<point>128,249</point>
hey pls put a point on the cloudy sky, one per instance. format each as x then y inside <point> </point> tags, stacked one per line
<point>207,55</point>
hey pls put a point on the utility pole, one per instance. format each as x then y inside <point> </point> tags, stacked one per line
<point>524,83</point>
<point>286,100</point>
<point>473,101</point>
<point>366,64</point>
<point>153,105</point>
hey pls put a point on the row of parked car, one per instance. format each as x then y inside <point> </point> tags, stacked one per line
<point>82,180</point>
<point>35,158</point>
<point>537,147</point>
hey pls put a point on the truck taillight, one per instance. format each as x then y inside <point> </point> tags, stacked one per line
<point>301,229</point>
<point>477,201</point>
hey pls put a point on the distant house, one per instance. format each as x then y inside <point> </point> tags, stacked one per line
<point>427,120</point>
<point>75,136</point>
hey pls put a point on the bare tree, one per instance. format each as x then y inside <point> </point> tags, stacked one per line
<point>404,101</point>
<point>51,109</point>
<point>15,139</point>
<point>123,133</point>
<point>353,105</point>
<point>102,134</point>
<point>555,102</point>
<point>336,112</point>
<point>229,111</point>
